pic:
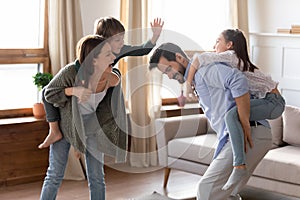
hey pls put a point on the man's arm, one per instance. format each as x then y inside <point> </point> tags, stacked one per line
<point>243,107</point>
<point>238,85</point>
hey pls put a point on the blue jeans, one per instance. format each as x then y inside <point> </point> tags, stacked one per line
<point>58,158</point>
<point>270,107</point>
<point>52,113</point>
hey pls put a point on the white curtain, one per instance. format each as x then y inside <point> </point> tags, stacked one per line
<point>143,87</point>
<point>65,29</point>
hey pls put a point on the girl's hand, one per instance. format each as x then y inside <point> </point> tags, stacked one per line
<point>190,92</point>
<point>156,27</point>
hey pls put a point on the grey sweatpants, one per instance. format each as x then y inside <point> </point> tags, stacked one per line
<point>209,187</point>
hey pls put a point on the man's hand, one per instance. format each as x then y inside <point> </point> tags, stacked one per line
<point>247,135</point>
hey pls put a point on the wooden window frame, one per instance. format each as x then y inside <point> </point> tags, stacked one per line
<point>25,56</point>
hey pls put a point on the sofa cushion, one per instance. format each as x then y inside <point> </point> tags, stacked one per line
<point>281,164</point>
<point>200,148</point>
<point>291,125</point>
<point>277,131</point>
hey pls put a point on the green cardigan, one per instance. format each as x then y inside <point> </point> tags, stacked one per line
<point>110,126</point>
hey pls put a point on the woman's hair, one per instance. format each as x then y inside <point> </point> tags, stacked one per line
<point>88,48</point>
<point>239,45</point>
<point>108,27</point>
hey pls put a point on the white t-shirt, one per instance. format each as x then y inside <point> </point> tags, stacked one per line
<point>92,103</point>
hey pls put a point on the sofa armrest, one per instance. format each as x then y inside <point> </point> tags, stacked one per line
<point>169,128</point>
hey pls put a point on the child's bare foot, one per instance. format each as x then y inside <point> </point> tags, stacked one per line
<point>50,139</point>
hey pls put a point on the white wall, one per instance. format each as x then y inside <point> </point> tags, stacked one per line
<point>265,16</point>
<point>94,9</point>
<point>276,54</point>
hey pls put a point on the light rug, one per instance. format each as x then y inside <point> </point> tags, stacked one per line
<point>153,196</point>
<point>156,196</point>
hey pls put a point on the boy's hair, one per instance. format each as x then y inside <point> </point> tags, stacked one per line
<point>166,50</point>
<point>108,27</point>
<point>240,47</point>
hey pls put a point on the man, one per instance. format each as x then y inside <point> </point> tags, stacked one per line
<point>219,87</point>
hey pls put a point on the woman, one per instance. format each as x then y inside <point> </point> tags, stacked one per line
<point>71,90</point>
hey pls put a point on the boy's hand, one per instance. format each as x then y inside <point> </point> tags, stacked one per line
<point>156,27</point>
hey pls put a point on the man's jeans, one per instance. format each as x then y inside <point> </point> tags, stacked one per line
<point>58,158</point>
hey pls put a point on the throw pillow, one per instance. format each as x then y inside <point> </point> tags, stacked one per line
<point>277,132</point>
<point>291,125</point>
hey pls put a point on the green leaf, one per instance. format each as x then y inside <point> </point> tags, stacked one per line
<point>42,79</point>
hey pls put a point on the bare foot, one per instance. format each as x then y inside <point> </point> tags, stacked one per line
<point>50,139</point>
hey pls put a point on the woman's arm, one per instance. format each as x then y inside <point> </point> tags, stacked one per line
<point>61,87</point>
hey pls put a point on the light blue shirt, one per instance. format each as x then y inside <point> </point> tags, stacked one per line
<point>217,85</point>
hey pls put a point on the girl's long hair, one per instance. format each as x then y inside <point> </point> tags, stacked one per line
<point>239,44</point>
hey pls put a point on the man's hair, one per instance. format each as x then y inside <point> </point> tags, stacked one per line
<point>166,50</point>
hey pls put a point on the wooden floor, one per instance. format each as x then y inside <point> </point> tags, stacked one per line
<point>127,186</point>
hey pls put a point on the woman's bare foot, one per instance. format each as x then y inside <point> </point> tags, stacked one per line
<point>50,139</point>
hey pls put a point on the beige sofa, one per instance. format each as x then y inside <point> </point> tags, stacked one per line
<point>187,143</point>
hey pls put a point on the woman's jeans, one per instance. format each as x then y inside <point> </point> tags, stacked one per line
<point>270,107</point>
<point>58,158</point>
<point>52,113</point>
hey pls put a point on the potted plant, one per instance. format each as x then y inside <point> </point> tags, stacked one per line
<point>40,80</point>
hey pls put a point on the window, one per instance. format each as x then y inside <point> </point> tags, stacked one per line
<point>193,25</point>
<point>23,52</point>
